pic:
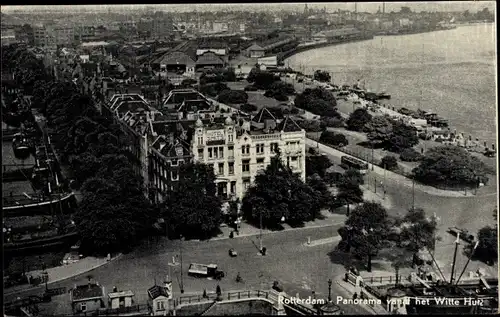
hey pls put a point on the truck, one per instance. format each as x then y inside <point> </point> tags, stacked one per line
<point>205,270</point>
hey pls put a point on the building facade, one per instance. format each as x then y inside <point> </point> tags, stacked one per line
<point>238,151</point>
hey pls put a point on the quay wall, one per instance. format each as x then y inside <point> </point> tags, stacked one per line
<point>289,53</point>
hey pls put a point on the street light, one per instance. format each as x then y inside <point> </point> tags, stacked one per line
<point>182,274</point>
<point>329,290</point>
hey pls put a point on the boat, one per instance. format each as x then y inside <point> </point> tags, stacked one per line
<point>383,95</point>
<point>41,244</point>
<point>31,205</point>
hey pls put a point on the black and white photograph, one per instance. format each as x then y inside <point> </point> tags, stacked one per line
<point>242,159</point>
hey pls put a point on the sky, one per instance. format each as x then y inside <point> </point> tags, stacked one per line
<point>472,6</point>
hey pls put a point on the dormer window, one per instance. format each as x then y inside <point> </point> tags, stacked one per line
<point>174,162</point>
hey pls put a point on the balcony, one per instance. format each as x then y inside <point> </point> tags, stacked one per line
<point>230,157</point>
<point>245,154</point>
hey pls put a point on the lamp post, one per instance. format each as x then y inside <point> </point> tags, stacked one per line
<point>329,290</point>
<point>260,231</point>
<point>182,274</point>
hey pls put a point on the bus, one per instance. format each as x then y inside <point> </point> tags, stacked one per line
<point>351,162</point>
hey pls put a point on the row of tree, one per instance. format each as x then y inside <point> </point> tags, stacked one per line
<point>113,212</point>
<point>318,101</point>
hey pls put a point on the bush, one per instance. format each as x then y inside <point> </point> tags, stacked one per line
<point>410,155</point>
<point>269,94</point>
<point>322,76</point>
<point>389,162</point>
<point>335,139</point>
<point>251,88</point>
<point>213,89</point>
<point>280,97</point>
<point>310,125</point>
<point>233,96</point>
<point>248,107</point>
<point>332,122</point>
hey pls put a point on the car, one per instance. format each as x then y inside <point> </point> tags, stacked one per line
<point>71,257</point>
<point>464,234</point>
<point>233,253</point>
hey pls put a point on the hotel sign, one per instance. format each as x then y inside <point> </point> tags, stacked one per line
<point>215,135</point>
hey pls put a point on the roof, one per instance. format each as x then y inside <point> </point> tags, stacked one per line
<point>194,105</point>
<point>157,291</point>
<point>177,148</point>
<point>176,57</point>
<point>209,58</point>
<point>87,291</point>
<point>263,115</point>
<point>255,47</point>
<point>288,125</point>
<point>99,43</point>
<point>178,96</point>
<point>121,294</point>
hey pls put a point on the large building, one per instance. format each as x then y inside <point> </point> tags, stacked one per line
<point>190,127</point>
<point>239,149</point>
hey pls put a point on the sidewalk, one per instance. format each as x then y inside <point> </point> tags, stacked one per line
<point>247,230</point>
<point>63,272</point>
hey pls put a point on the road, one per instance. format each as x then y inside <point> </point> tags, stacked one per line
<point>471,212</point>
<point>299,268</point>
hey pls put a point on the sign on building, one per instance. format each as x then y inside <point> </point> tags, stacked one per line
<point>215,135</point>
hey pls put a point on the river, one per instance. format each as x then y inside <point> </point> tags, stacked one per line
<point>450,72</point>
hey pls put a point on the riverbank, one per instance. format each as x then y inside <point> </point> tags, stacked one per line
<point>435,71</point>
<point>301,49</point>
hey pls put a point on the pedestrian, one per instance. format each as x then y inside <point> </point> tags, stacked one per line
<point>355,296</point>
<point>205,293</point>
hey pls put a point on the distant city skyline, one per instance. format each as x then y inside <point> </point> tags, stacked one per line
<point>361,7</point>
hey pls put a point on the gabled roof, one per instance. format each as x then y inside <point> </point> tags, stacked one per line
<point>86,291</point>
<point>194,105</point>
<point>288,125</point>
<point>209,58</point>
<point>255,47</point>
<point>157,291</point>
<point>176,57</point>
<point>179,147</point>
<point>263,115</point>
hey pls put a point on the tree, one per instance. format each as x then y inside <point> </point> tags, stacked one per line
<point>349,192</point>
<point>193,209</point>
<point>324,196</point>
<point>358,120</point>
<point>261,79</point>
<point>402,137</point>
<point>248,107</point>
<point>353,176</point>
<point>379,130</point>
<point>487,249</point>
<point>322,76</point>
<point>450,165</point>
<point>318,101</point>
<point>317,164</point>
<point>410,155</point>
<point>278,193</point>
<point>368,225</point>
<point>233,96</point>
<point>335,139</point>
<point>389,162</point>
<point>280,87</point>
<point>418,232</point>
<point>213,89</point>
<point>309,125</point>
<point>106,221</point>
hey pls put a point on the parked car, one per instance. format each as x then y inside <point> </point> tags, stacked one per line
<point>464,234</point>
<point>233,253</point>
<point>71,257</point>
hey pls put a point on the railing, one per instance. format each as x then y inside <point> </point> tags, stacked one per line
<point>267,136</point>
<point>183,300</point>
<point>141,309</point>
<point>382,279</point>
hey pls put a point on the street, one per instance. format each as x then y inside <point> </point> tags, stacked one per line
<point>299,268</point>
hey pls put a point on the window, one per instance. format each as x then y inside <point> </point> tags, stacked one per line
<point>174,162</point>
<point>246,183</point>
<point>259,148</point>
<point>221,168</point>
<point>246,166</point>
<point>83,307</point>
<point>221,152</point>
<point>174,175</point>
<point>233,187</point>
<point>211,166</point>
<point>260,161</point>
<point>294,159</point>
<point>210,152</point>
<point>200,153</point>
<point>160,305</point>
<point>231,168</point>
<point>216,152</point>
<point>230,138</point>
<point>200,140</point>
<point>230,150</point>
<point>274,147</point>
<point>245,149</point>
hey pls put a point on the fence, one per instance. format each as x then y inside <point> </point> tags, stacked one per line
<point>227,296</point>
<point>141,310</point>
